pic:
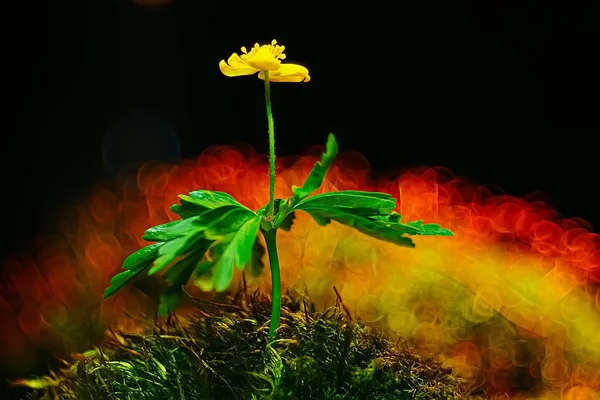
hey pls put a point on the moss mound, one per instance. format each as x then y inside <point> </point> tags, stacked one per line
<point>221,353</point>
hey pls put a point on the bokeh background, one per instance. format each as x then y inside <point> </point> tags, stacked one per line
<point>105,100</point>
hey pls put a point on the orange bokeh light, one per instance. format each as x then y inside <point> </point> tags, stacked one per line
<point>512,301</point>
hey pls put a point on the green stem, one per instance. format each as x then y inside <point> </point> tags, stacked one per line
<point>271,125</point>
<point>271,240</point>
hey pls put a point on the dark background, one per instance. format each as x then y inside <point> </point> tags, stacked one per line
<point>497,90</point>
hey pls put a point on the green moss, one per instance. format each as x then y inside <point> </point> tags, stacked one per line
<point>221,353</point>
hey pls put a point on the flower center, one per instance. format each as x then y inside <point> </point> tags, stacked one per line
<point>274,49</point>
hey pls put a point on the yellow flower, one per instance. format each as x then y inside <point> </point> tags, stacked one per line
<point>264,58</point>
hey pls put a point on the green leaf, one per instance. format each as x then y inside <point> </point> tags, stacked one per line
<point>203,268</point>
<point>283,215</point>
<point>317,175</point>
<point>203,276</point>
<point>372,227</point>
<point>361,203</point>
<point>288,222</point>
<point>173,249</point>
<point>368,212</point>
<point>209,199</point>
<point>212,225</point>
<point>217,249</point>
<point>236,253</point>
<point>164,232</point>
<point>207,216</point>
<point>143,256</point>
<point>228,223</point>
<point>120,280</point>
<point>199,201</point>
<point>215,220</point>
<point>187,210</point>
<point>178,275</point>
<point>193,258</point>
<point>430,229</point>
<point>256,264</point>
<point>171,298</point>
<point>133,265</point>
<point>173,230</point>
<point>421,228</point>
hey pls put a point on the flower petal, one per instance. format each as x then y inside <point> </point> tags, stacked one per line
<point>235,66</point>
<point>287,73</point>
<point>263,59</point>
<point>236,62</point>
